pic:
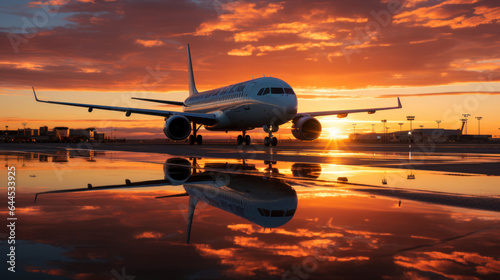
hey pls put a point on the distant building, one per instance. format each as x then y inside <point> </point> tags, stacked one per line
<point>87,133</point>
<point>28,132</point>
<point>434,135</point>
<point>56,134</point>
<point>99,136</point>
<point>44,131</point>
<point>61,132</point>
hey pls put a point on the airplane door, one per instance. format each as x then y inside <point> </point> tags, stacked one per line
<point>248,90</point>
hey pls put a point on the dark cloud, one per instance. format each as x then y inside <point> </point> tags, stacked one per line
<point>105,44</point>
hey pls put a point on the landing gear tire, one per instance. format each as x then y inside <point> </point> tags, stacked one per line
<point>239,139</point>
<point>270,140</point>
<point>248,140</point>
<point>191,139</point>
<point>199,139</point>
<point>267,142</point>
<point>274,141</point>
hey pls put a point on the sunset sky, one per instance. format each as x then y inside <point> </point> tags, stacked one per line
<point>441,57</point>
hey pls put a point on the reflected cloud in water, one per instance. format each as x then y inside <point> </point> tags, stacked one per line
<point>228,218</point>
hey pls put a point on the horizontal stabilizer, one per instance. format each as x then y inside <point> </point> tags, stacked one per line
<point>173,195</point>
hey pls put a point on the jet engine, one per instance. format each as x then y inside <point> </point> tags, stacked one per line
<point>177,127</point>
<point>306,170</point>
<point>306,128</point>
<point>177,170</point>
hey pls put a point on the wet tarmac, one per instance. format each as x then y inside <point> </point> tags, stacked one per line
<point>225,212</point>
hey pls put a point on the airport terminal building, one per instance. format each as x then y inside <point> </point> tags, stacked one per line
<point>427,135</point>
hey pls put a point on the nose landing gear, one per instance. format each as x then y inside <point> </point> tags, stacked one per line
<point>271,140</point>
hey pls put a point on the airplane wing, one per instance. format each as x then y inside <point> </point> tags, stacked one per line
<point>194,179</point>
<point>128,184</point>
<point>177,103</point>
<point>205,119</point>
<point>344,113</point>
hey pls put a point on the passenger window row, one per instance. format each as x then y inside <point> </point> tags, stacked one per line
<point>231,96</point>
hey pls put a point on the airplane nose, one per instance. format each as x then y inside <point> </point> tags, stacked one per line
<point>291,105</point>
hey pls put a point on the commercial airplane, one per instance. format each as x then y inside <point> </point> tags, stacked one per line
<point>264,102</point>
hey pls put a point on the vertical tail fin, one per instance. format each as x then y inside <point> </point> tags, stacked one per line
<point>192,205</point>
<point>192,86</point>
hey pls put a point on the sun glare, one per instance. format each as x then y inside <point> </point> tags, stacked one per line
<point>334,133</point>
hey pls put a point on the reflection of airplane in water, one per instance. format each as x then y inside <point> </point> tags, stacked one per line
<point>268,202</point>
<point>267,198</point>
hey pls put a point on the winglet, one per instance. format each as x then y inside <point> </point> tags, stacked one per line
<point>36,98</point>
<point>399,103</point>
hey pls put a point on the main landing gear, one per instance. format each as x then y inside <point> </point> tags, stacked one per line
<point>271,140</point>
<point>193,138</point>
<point>244,139</point>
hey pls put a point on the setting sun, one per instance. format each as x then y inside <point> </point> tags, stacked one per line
<point>335,133</point>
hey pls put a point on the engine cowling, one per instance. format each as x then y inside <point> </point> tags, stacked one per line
<point>306,170</point>
<point>177,170</point>
<point>177,127</point>
<point>306,128</point>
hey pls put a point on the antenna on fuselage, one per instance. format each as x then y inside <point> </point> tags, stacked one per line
<point>192,86</point>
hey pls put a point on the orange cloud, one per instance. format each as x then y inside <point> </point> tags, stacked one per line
<point>447,264</point>
<point>148,234</point>
<point>249,50</point>
<point>150,43</point>
<point>235,15</point>
<point>241,265</point>
<point>445,14</point>
<point>49,2</point>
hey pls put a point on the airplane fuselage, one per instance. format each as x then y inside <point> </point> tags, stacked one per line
<point>246,105</point>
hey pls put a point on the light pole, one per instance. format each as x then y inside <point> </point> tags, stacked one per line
<point>466,119</point>
<point>438,122</point>
<point>373,127</point>
<point>400,126</point>
<point>385,136</point>
<point>410,118</point>
<point>421,126</point>
<point>354,128</point>
<point>24,130</point>
<point>479,125</point>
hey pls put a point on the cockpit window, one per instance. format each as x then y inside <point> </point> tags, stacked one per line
<point>260,91</point>
<point>289,212</point>
<point>266,91</point>
<point>277,213</point>
<point>277,90</point>
<point>289,91</point>
<point>266,212</point>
